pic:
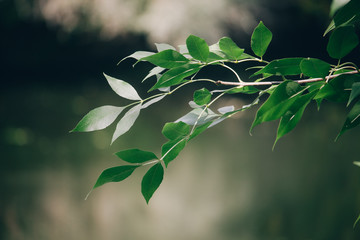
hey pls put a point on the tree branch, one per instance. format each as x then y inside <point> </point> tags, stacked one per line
<point>302,81</point>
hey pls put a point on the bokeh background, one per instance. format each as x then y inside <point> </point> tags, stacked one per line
<point>224,185</point>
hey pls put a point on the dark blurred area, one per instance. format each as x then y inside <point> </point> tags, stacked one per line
<point>225,185</point>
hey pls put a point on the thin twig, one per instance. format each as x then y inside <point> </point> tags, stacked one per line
<point>302,81</point>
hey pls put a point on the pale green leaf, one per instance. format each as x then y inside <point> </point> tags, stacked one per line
<point>122,88</point>
<point>198,116</point>
<point>98,118</point>
<point>152,101</point>
<point>153,72</point>
<point>126,122</point>
<point>163,46</point>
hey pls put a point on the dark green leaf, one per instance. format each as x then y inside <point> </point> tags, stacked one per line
<point>314,68</point>
<point>278,103</point>
<point>171,149</point>
<point>136,156</point>
<point>175,130</point>
<point>198,48</point>
<point>229,47</point>
<point>202,96</point>
<point>282,67</point>
<point>352,119</point>
<point>114,174</point>
<point>167,59</point>
<point>123,89</point>
<point>98,118</point>
<point>342,41</point>
<point>347,13</point>
<point>337,88</point>
<point>198,116</point>
<point>151,181</point>
<point>126,122</point>
<point>260,39</point>
<point>176,75</point>
<point>355,92</point>
<point>293,115</point>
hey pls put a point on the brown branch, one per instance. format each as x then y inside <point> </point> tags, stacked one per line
<point>302,81</point>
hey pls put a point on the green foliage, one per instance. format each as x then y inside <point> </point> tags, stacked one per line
<point>286,99</point>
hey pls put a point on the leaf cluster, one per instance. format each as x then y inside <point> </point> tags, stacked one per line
<point>286,98</point>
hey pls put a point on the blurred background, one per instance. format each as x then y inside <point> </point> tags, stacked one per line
<point>224,185</point>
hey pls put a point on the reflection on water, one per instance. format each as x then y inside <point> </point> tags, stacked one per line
<point>225,184</point>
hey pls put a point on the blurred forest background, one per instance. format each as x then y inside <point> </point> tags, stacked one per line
<point>224,185</point>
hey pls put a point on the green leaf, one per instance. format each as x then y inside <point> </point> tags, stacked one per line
<point>282,67</point>
<point>175,130</point>
<point>260,39</point>
<point>176,75</point>
<point>114,174</point>
<point>198,116</point>
<point>123,89</point>
<point>355,92</point>
<point>126,122</point>
<point>314,68</point>
<point>202,96</point>
<point>342,41</point>
<point>136,156</point>
<point>229,47</point>
<point>352,119</point>
<point>293,115</point>
<point>167,59</point>
<point>151,181</point>
<point>98,118</point>
<point>171,149</point>
<point>198,48</point>
<point>357,220</point>
<point>278,103</point>
<point>347,13</point>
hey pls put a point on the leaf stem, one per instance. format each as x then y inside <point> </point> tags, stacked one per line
<point>237,75</point>
<point>301,81</point>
